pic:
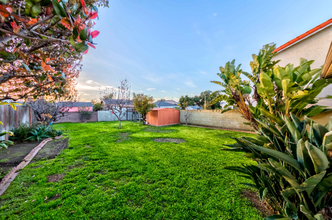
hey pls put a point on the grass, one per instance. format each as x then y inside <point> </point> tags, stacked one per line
<point>135,178</point>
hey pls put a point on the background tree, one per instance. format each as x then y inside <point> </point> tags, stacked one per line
<point>207,96</point>
<point>97,105</point>
<point>120,101</point>
<point>143,104</point>
<point>42,42</point>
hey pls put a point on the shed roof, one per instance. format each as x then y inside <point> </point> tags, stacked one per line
<point>305,35</point>
<point>159,109</point>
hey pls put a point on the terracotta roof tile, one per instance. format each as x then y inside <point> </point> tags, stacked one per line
<point>302,36</point>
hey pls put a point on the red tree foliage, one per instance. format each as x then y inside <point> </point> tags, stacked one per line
<point>41,45</point>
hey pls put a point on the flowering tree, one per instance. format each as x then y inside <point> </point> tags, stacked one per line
<point>41,45</point>
<point>143,104</point>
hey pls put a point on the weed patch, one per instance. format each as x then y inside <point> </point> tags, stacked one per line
<point>55,177</point>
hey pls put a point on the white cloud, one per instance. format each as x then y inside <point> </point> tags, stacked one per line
<point>178,89</point>
<point>162,91</point>
<point>149,89</point>
<point>203,72</point>
<point>92,82</point>
<point>214,14</point>
<point>152,78</point>
<point>189,83</point>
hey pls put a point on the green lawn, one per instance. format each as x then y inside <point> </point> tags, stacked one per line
<point>108,175</point>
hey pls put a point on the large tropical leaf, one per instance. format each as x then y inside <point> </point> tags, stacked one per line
<point>318,158</point>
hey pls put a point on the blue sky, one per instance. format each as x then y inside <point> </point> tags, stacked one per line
<point>170,48</point>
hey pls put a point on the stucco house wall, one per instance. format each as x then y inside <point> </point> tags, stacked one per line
<point>314,47</point>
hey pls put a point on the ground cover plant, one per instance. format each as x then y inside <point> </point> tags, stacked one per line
<point>99,177</point>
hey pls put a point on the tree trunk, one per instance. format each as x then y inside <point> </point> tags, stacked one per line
<point>119,124</point>
<point>144,119</point>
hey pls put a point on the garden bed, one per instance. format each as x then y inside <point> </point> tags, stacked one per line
<point>14,155</point>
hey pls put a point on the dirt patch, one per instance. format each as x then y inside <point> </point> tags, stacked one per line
<point>52,149</point>
<point>172,140</point>
<point>123,137</point>
<point>262,207</point>
<point>226,129</point>
<point>157,130</point>
<point>54,197</point>
<point>76,164</point>
<point>13,155</point>
<point>55,177</point>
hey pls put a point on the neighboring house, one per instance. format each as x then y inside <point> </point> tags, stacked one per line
<point>76,106</point>
<point>194,107</point>
<point>166,104</point>
<point>312,45</point>
<point>126,103</point>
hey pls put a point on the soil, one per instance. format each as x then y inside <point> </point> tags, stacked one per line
<point>226,129</point>
<point>157,130</point>
<point>123,137</point>
<point>261,206</point>
<point>172,140</point>
<point>55,177</point>
<point>52,149</point>
<point>14,155</point>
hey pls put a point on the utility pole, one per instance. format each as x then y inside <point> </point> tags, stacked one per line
<point>205,101</point>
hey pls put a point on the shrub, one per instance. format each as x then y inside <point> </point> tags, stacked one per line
<point>22,132</point>
<point>34,132</point>
<point>97,107</point>
<point>85,114</point>
<point>293,157</point>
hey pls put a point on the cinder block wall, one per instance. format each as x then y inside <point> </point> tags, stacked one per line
<point>213,118</point>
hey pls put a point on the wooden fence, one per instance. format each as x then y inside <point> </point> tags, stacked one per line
<point>11,118</point>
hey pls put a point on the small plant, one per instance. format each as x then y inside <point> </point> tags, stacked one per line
<point>39,133</point>
<point>5,143</point>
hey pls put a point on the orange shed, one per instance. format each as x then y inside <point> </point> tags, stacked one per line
<point>163,116</point>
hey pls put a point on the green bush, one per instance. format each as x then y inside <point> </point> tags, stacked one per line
<point>34,132</point>
<point>97,107</point>
<point>293,156</point>
<point>22,132</point>
<point>85,114</point>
